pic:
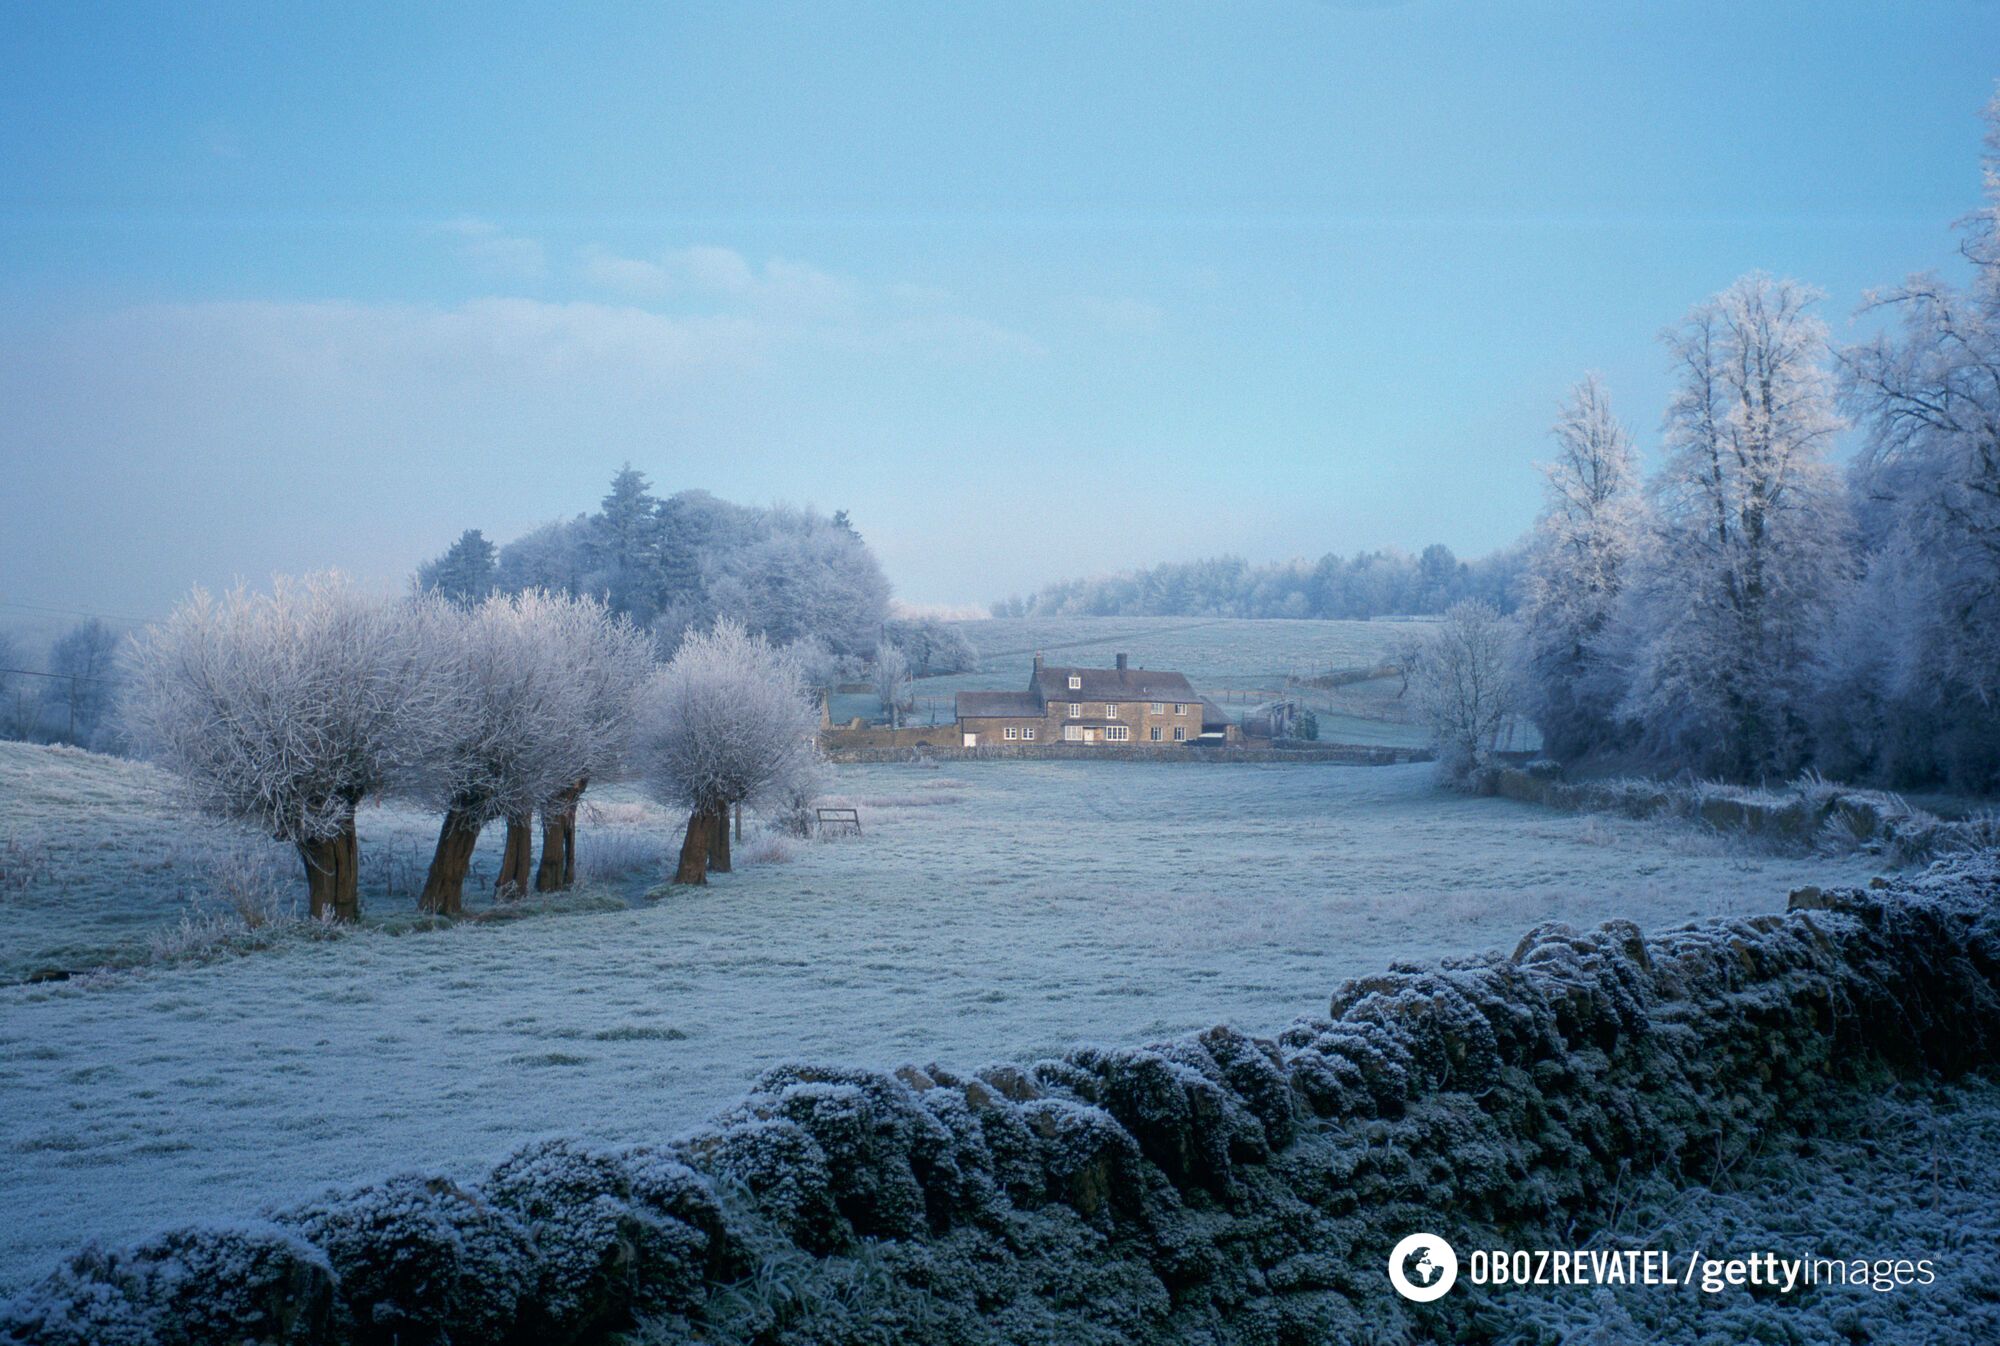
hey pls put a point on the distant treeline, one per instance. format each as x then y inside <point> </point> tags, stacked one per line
<point>1366,584</point>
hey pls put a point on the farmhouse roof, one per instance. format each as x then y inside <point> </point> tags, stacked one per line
<point>991,705</point>
<point>1112,684</point>
<point>1213,716</point>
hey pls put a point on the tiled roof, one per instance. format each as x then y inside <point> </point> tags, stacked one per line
<point>992,705</point>
<point>1113,684</point>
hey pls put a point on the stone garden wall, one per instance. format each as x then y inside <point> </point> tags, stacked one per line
<point>1218,1188</point>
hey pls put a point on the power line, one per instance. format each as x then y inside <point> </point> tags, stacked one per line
<point>76,612</point>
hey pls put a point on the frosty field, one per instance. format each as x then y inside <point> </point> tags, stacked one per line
<point>991,911</point>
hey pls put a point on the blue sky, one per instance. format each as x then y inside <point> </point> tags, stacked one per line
<point>1032,290</point>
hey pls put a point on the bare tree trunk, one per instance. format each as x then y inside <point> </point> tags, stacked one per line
<point>517,861</point>
<point>558,867</point>
<point>444,885</point>
<point>718,845</point>
<point>694,848</point>
<point>333,875</point>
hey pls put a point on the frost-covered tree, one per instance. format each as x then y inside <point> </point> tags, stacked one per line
<point>1465,685</point>
<point>465,574</point>
<point>932,646</point>
<point>728,721</point>
<point>1926,656</point>
<point>84,663</point>
<point>285,710</point>
<point>1749,548</point>
<point>554,556</point>
<point>682,562</point>
<point>626,547</point>
<point>516,730</point>
<point>892,682</point>
<point>1583,545</point>
<point>802,577</point>
<point>608,661</point>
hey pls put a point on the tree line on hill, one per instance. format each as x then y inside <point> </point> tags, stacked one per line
<point>1367,584</point>
<point>1750,610</point>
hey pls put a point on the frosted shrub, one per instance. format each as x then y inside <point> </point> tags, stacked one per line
<point>237,874</point>
<point>606,854</point>
<point>772,848</point>
<point>24,859</point>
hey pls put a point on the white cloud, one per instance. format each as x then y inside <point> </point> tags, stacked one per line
<point>497,253</point>
<point>724,277</point>
<point>794,301</point>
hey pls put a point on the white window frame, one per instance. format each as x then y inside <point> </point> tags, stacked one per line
<point>1155,732</point>
<point>1180,707</point>
<point>1180,733</point>
<point>1076,710</point>
<point>1111,710</point>
<point>1117,733</point>
<point>1076,682</point>
<point>1072,733</point>
<point>1027,733</point>
<point>1013,732</point>
<point>1159,708</point>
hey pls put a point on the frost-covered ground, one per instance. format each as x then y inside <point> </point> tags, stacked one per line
<point>1910,1174</point>
<point>991,911</point>
<point>97,866</point>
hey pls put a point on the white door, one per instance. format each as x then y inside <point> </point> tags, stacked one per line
<point>972,740</point>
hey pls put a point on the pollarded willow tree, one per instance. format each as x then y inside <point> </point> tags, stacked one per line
<point>728,721</point>
<point>285,710</point>
<point>1748,554</point>
<point>1577,568</point>
<point>512,730</point>
<point>609,659</point>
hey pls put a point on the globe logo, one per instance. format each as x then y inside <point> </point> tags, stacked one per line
<point>1422,1267</point>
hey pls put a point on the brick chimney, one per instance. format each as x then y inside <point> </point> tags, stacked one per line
<point>1038,661</point>
<point>1122,663</point>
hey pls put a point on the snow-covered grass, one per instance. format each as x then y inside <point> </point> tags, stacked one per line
<point>98,866</point>
<point>990,911</point>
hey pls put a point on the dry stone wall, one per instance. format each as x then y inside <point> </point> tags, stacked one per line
<point>1218,1188</point>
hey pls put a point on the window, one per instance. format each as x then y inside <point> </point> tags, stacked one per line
<point>1159,708</point>
<point>1013,732</point>
<point>1111,710</point>
<point>1075,711</point>
<point>1028,733</point>
<point>1073,733</point>
<point>1075,682</point>
<point>1117,733</point>
<point>1180,708</point>
<point>1154,733</point>
<point>1180,733</point>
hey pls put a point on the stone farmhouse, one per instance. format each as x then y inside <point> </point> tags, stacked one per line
<point>1119,706</point>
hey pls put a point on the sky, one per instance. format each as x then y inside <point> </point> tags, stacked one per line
<point>1033,291</point>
